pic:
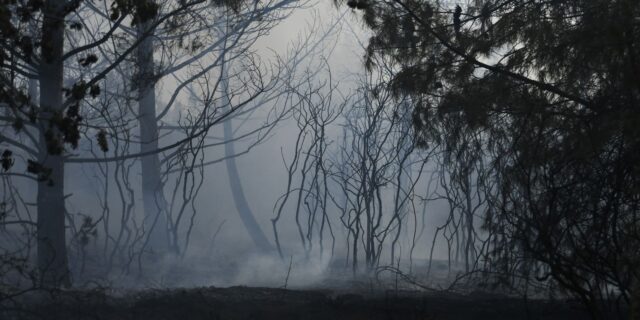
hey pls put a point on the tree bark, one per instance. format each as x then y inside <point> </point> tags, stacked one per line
<point>154,202</point>
<point>52,250</point>
<point>239,199</point>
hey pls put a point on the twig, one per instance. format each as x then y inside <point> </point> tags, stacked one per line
<point>286,280</point>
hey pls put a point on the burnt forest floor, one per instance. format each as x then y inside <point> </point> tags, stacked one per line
<point>272,303</point>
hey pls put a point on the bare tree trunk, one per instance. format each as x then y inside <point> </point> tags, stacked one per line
<point>52,250</point>
<point>154,202</point>
<point>239,199</point>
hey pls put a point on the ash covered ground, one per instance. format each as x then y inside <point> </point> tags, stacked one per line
<point>334,294</point>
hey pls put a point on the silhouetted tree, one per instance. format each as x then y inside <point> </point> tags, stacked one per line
<point>34,47</point>
<point>551,91</point>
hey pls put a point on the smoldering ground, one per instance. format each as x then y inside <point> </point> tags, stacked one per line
<point>158,151</point>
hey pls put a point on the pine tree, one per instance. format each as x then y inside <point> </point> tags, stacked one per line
<point>548,93</point>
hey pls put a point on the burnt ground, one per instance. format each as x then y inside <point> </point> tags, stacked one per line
<point>271,303</point>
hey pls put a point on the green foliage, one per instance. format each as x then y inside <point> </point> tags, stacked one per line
<point>21,45</point>
<point>551,89</point>
<point>77,26</point>
<point>86,231</point>
<point>88,60</point>
<point>141,10</point>
<point>234,5</point>
<point>39,170</point>
<point>102,140</point>
<point>6,160</point>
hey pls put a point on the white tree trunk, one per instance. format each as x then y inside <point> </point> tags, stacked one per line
<point>239,199</point>
<point>154,202</point>
<point>52,250</point>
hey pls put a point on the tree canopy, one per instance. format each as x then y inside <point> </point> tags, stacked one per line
<point>544,94</point>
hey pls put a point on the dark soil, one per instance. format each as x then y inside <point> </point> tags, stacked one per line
<point>269,303</point>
